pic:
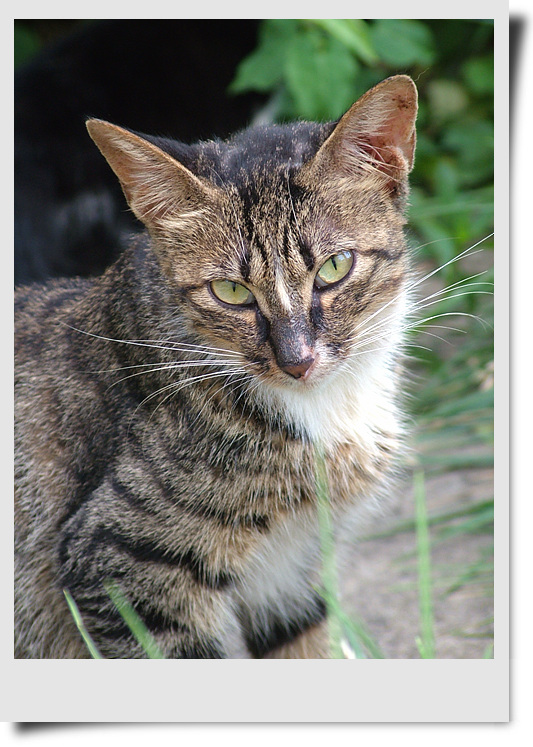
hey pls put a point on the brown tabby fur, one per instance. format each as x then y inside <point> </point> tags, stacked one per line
<point>162,442</point>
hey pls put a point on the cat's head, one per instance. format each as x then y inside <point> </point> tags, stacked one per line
<point>285,242</point>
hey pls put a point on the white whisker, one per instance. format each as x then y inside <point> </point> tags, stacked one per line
<point>171,366</point>
<point>451,261</point>
<point>177,386</point>
<point>418,281</point>
<point>233,382</point>
<point>170,345</point>
<point>450,313</point>
<point>366,333</point>
<point>419,306</point>
<point>459,285</point>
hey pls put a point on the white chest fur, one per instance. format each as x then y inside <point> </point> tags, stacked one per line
<point>283,568</point>
<point>355,405</point>
<point>349,406</point>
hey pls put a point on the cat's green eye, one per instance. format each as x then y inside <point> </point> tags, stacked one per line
<point>232,293</point>
<point>334,269</point>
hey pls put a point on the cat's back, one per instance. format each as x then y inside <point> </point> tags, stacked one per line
<point>41,313</point>
<point>50,377</point>
<point>42,459</point>
<point>42,355</point>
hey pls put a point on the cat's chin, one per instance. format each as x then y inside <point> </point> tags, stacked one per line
<point>336,403</point>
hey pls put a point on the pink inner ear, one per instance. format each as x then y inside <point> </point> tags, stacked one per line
<point>392,142</point>
<point>154,183</point>
<point>378,153</point>
<point>147,187</point>
<point>378,132</point>
<point>398,130</point>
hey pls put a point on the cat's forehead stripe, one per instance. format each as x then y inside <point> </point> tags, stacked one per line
<point>281,288</point>
<point>307,255</point>
<point>245,263</point>
<point>264,263</point>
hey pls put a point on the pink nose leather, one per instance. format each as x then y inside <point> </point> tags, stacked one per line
<point>300,370</point>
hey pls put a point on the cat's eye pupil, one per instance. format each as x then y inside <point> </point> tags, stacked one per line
<point>230,292</point>
<point>334,269</point>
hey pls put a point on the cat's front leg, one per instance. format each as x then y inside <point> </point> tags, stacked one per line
<point>207,630</point>
<point>313,643</point>
<point>114,563</point>
<point>289,628</point>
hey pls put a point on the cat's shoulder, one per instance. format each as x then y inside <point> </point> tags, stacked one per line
<point>49,295</point>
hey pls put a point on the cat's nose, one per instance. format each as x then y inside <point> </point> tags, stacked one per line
<point>299,370</point>
<point>293,346</point>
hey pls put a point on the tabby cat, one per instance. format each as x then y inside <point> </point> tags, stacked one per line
<point>169,413</point>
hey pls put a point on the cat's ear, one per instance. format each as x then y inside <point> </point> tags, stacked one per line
<point>157,187</point>
<point>376,135</point>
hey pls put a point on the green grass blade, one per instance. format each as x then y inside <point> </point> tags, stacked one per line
<point>482,522</point>
<point>480,508</point>
<point>482,570</point>
<point>426,642</point>
<point>439,463</point>
<point>359,638</point>
<point>329,566</point>
<point>134,622</point>
<point>345,629</point>
<point>73,607</point>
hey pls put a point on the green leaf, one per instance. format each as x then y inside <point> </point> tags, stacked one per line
<point>26,43</point>
<point>353,33</point>
<point>473,142</point>
<point>478,74</point>
<point>402,42</point>
<point>263,69</point>
<point>447,99</point>
<point>320,75</point>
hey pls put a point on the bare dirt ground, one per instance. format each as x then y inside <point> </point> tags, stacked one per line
<point>379,585</point>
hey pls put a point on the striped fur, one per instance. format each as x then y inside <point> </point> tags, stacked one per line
<point>161,441</point>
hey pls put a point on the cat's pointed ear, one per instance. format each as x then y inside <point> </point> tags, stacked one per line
<point>376,135</point>
<point>156,186</point>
